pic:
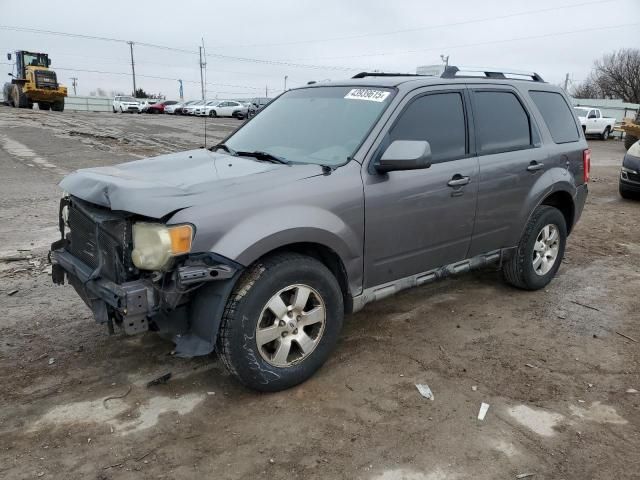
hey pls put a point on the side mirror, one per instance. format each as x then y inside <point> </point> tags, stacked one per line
<point>10,74</point>
<point>405,155</point>
<point>48,62</point>
<point>8,56</point>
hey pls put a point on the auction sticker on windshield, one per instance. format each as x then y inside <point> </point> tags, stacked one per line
<point>367,94</point>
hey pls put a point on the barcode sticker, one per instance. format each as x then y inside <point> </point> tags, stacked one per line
<point>367,94</point>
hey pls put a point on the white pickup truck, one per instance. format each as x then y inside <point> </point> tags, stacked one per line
<point>593,123</point>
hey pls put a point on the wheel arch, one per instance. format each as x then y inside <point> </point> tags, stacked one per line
<point>563,201</point>
<point>328,257</point>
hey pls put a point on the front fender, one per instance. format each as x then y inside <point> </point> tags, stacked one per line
<point>262,233</point>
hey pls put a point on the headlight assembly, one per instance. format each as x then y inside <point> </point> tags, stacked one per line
<point>154,244</point>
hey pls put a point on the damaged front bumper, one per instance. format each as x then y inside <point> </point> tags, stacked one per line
<point>167,302</point>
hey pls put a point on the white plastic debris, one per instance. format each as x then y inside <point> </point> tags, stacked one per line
<point>484,408</point>
<point>424,390</point>
<point>632,390</point>
<point>52,361</point>
<point>474,388</point>
<point>524,475</point>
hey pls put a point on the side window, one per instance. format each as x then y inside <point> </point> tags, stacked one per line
<point>501,122</point>
<point>437,118</point>
<point>557,115</point>
<point>592,114</point>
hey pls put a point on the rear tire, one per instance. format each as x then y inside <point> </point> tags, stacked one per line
<point>629,140</point>
<point>605,134</point>
<point>521,270</point>
<point>44,106</point>
<point>269,352</point>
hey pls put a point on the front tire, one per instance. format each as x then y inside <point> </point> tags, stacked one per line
<point>629,140</point>
<point>213,114</point>
<point>281,322</point>
<point>540,251</point>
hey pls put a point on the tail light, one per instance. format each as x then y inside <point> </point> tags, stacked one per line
<point>586,164</point>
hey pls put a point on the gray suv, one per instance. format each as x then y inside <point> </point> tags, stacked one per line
<point>333,196</point>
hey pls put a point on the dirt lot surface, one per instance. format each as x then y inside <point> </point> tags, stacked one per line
<point>558,367</point>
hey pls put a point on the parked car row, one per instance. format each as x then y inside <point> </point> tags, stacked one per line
<point>212,108</point>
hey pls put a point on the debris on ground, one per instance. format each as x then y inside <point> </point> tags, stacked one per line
<point>474,388</point>
<point>424,390</point>
<point>161,380</point>
<point>52,361</point>
<point>585,305</point>
<point>113,397</point>
<point>524,475</point>
<point>484,408</point>
<point>530,365</point>
<point>14,258</point>
<point>627,337</point>
<point>632,390</point>
<point>12,292</point>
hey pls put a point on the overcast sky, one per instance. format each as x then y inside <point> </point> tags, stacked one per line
<point>538,35</point>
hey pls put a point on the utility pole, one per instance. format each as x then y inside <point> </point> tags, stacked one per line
<point>445,60</point>
<point>133,69</point>
<point>74,83</point>
<point>202,64</point>
<point>266,91</point>
<point>181,91</point>
<point>566,82</point>
<point>285,82</point>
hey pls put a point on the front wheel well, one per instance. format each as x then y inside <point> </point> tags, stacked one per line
<point>563,201</point>
<point>326,256</point>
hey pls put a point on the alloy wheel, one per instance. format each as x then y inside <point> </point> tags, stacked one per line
<point>291,325</point>
<point>545,249</point>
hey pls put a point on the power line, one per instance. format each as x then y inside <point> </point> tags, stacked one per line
<point>181,50</point>
<point>417,29</point>
<point>489,42</point>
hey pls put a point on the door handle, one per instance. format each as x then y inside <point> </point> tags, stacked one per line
<point>535,166</point>
<point>458,180</point>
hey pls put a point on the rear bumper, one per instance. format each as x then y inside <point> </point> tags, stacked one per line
<point>580,199</point>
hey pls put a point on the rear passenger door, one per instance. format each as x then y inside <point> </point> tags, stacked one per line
<point>417,220</point>
<point>511,161</point>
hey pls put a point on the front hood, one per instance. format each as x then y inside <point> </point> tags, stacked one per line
<point>157,186</point>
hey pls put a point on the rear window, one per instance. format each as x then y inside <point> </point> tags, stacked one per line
<point>501,122</point>
<point>557,115</point>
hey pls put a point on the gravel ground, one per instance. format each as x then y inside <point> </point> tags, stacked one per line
<point>558,367</point>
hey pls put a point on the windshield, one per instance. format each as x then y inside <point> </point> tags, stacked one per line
<point>35,60</point>
<point>321,125</point>
<point>581,112</point>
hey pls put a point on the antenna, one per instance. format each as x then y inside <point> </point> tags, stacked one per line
<point>203,66</point>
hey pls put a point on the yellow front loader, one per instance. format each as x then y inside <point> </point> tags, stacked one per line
<point>33,82</point>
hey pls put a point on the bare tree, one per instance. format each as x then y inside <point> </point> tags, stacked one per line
<point>615,75</point>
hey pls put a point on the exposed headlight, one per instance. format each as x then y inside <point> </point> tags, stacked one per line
<point>628,170</point>
<point>154,244</point>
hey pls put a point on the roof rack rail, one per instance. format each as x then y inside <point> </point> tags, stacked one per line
<point>385,74</point>
<point>452,72</point>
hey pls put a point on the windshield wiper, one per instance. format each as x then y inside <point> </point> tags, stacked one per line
<point>260,155</point>
<point>224,147</point>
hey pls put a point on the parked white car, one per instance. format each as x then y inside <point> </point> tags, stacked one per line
<point>593,123</point>
<point>124,104</point>
<point>190,108</point>
<point>172,108</point>
<point>203,110</point>
<point>228,108</point>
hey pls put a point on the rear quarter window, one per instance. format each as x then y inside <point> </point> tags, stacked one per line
<point>557,115</point>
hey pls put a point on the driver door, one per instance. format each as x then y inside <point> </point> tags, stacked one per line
<point>417,220</point>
